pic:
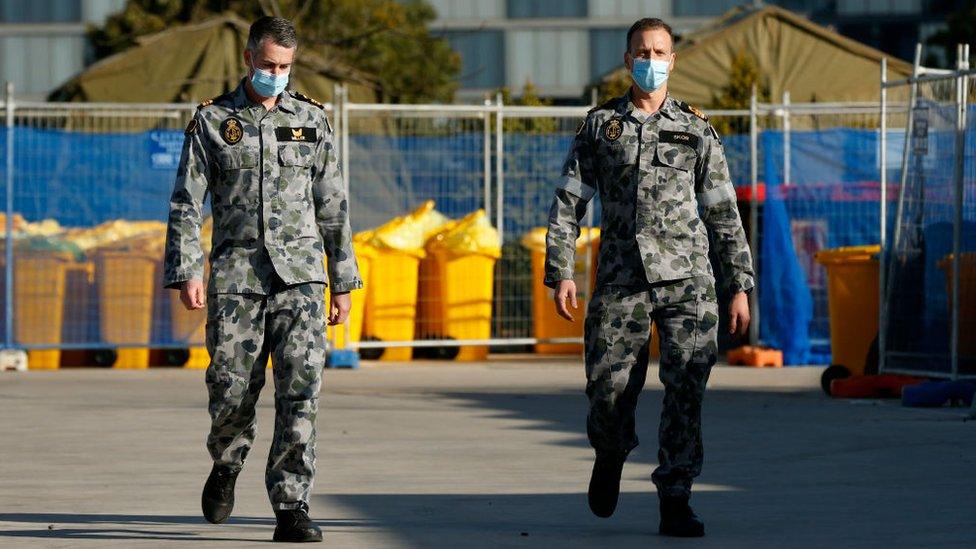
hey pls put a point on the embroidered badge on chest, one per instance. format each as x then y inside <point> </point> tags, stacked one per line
<point>614,129</point>
<point>306,135</point>
<point>231,130</point>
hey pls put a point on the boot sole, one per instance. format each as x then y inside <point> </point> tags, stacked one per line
<point>220,513</point>
<point>282,539</point>
<point>675,534</point>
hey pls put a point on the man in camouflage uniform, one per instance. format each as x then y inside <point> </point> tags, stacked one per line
<point>663,183</point>
<point>267,157</point>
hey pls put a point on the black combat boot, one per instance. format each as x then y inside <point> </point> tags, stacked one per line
<point>605,483</point>
<point>218,494</point>
<point>295,526</point>
<point>678,519</point>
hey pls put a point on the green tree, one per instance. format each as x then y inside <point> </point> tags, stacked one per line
<point>528,98</point>
<point>384,38</point>
<point>960,29</point>
<point>737,93</point>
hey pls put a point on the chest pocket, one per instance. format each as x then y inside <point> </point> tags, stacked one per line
<point>238,178</point>
<point>295,177</point>
<point>678,150</point>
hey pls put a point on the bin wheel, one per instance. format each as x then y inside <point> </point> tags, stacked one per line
<point>104,358</point>
<point>437,353</point>
<point>834,371</point>
<point>175,357</point>
<point>872,360</point>
<point>371,354</point>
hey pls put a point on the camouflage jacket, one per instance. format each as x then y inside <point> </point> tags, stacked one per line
<point>276,193</point>
<point>663,182</point>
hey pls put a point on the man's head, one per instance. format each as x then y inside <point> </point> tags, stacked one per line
<point>649,39</point>
<point>271,45</point>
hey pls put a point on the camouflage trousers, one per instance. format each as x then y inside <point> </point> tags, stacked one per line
<point>243,330</point>
<point>617,337</point>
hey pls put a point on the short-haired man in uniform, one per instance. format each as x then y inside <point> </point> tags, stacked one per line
<point>663,183</point>
<point>267,157</point>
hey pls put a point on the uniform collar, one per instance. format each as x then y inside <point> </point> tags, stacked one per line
<point>241,101</point>
<point>626,107</point>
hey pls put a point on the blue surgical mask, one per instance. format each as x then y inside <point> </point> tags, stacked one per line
<point>649,74</point>
<point>267,84</point>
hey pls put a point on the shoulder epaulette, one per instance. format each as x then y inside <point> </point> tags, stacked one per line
<point>688,108</point>
<point>608,104</point>
<point>301,96</point>
<point>206,103</point>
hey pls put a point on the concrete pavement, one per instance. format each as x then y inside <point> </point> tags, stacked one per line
<point>480,455</point>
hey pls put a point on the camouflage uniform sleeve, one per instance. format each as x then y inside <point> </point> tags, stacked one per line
<point>716,199</point>
<point>183,259</point>
<point>332,217</point>
<point>577,187</point>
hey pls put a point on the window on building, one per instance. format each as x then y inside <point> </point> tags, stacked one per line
<point>607,48</point>
<point>468,9</point>
<point>518,9</point>
<point>482,57</point>
<point>557,61</point>
<point>630,8</point>
<point>40,11</point>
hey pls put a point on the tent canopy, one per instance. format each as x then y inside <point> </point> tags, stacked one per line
<point>195,62</point>
<point>813,63</point>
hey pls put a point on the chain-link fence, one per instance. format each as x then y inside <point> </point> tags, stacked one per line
<point>89,188</point>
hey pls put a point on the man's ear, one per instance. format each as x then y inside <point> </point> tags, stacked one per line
<point>628,60</point>
<point>247,61</point>
<point>671,64</point>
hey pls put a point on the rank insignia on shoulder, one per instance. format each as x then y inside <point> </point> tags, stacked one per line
<point>231,130</point>
<point>205,103</point>
<point>697,113</point>
<point>613,129</point>
<point>306,135</point>
<point>307,99</point>
<point>579,129</point>
<point>191,127</point>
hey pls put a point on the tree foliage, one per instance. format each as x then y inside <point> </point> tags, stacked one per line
<point>960,29</point>
<point>737,93</point>
<point>384,38</point>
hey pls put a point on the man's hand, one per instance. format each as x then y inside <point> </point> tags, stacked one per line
<point>565,293</point>
<point>339,305</point>
<point>192,295</point>
<point>739,315</point>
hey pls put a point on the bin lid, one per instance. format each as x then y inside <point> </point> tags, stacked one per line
<point>848,254</point>
<point>473,234</point>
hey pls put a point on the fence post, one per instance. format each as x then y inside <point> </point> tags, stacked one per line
<point>754,213</point>
<point>487,157</point>
<point>962,62</point>
<point>8,312</point>
<point>787,173</point>
<point>883,210</point>
<point>344,138</point>
<point>903,181</point>
<point>500,167</point>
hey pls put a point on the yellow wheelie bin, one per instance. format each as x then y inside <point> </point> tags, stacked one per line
<point>457,285</point>
<point>547,324</point>
<point>39,302</point>
<point>365,253</point>
<point>127,274</point>
<point>852,298</point>
<point>391,296</point>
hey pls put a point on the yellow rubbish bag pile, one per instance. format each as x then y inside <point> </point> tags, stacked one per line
<point>457,286</point>
<point>390,308</point>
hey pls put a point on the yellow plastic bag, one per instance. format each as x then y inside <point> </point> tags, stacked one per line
<point>407,234</point>
<point>473,234</point>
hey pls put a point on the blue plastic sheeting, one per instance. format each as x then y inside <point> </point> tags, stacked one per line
<point>83,179</point>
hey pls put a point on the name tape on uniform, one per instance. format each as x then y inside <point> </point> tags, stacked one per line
<point>296,134</point>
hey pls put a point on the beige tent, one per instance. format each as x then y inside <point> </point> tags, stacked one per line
<point>793,54</point>
<point>195,62</point>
